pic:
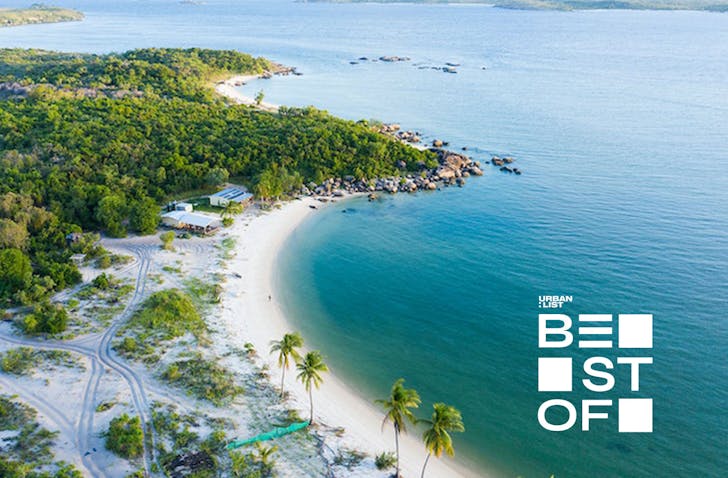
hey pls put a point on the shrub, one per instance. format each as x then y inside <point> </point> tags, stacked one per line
<point>104,262</point>
<point>46,318</point>
<point>203,379</point>
<point>125,436</point>
<point>29,449</point>
<point>128,345</point>
<point>385,460</point>
<point>19,361</point>
<point>167,238</point>
<point>170,313</point>
<point>22,360</point>
<point>101,281</point>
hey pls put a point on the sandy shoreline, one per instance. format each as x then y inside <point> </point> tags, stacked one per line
<point>250,315</point>
<point>228,88</point>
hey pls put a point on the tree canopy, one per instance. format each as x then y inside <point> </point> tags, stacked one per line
<point>94,142</point>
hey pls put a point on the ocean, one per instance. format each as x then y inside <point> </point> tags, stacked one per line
<point>619,120</point>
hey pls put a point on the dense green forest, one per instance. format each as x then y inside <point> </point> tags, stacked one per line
<point>98,142</point>
<point>706,5</point>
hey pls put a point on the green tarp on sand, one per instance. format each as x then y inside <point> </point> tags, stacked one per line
<point>275,433</point>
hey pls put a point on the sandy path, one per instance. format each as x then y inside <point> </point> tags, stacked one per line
<point>97,349</point>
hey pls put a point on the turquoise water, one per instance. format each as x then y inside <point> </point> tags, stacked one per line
<point>619,120</point>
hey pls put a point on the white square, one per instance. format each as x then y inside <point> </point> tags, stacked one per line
<point>635,415</point>
<point>635,331</point>
<point>554,374</point>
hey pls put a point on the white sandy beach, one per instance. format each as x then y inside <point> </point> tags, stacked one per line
<point>249,315</point>
<point>228,88</point>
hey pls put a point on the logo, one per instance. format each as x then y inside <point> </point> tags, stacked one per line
<point>554,301</point>
<point>594,331</point>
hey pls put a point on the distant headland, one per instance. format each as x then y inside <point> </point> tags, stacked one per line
<point>567,5</point>
<point>37,13</point>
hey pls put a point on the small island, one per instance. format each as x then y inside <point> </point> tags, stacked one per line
<point>37,13</point>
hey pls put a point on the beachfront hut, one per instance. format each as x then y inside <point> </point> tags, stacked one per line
<point>190,220</point>
<point>231,194</point>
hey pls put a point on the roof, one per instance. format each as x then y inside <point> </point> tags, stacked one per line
<point>191,218</point>
<point>233,194</point>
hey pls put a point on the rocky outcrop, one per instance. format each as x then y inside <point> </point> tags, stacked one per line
<point>452,169</point>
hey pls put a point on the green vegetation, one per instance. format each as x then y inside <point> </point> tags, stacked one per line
<point>104,407</point>
<point>203,379</point>
<point>398,411</point>
<point>230,210</point>
<point>167,238</point>
<point>172,269</point>
<point>105,294</point>
<point>385,460</point>
<point>445,420</point>
<point>310,369</point>
<point>95,142</point>
<point>164,316</point>
<point>105,287</point>
<point>27,448</point>
<point>258,464</point>
<point>34,255</point>
<point>169,314</point>
<point>46,318</point>
<point>707,5</point>
<point>349,458</point>
<point>202,293</point>
<point>287,349</point>
<point>259,97</point>
<point>228,247</point>
<point>37,13</point>
<point>23,360</point>
<point>125,436</point>
<point>179,437</point>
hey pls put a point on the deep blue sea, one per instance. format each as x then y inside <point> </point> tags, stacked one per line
<point>619,120</point>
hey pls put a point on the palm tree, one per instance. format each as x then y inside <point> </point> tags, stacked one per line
<point>286,348</point>
<point>445,419</point>
<point>397,410</point>
<point>309,373</point>
<point>231,209</point>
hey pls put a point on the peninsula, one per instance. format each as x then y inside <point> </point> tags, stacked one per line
<point>37,13</point>
<point>154,344</point>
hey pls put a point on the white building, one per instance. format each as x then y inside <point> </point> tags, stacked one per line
<point>183,206</point>
<point>190,220</point>
<point>234,194</point>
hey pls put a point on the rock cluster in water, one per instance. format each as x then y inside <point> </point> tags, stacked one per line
<point>449,67</point>
<point>503,163</point>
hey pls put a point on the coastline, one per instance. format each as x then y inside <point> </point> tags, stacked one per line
<point>250,316</point>
<point>227,88</point>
